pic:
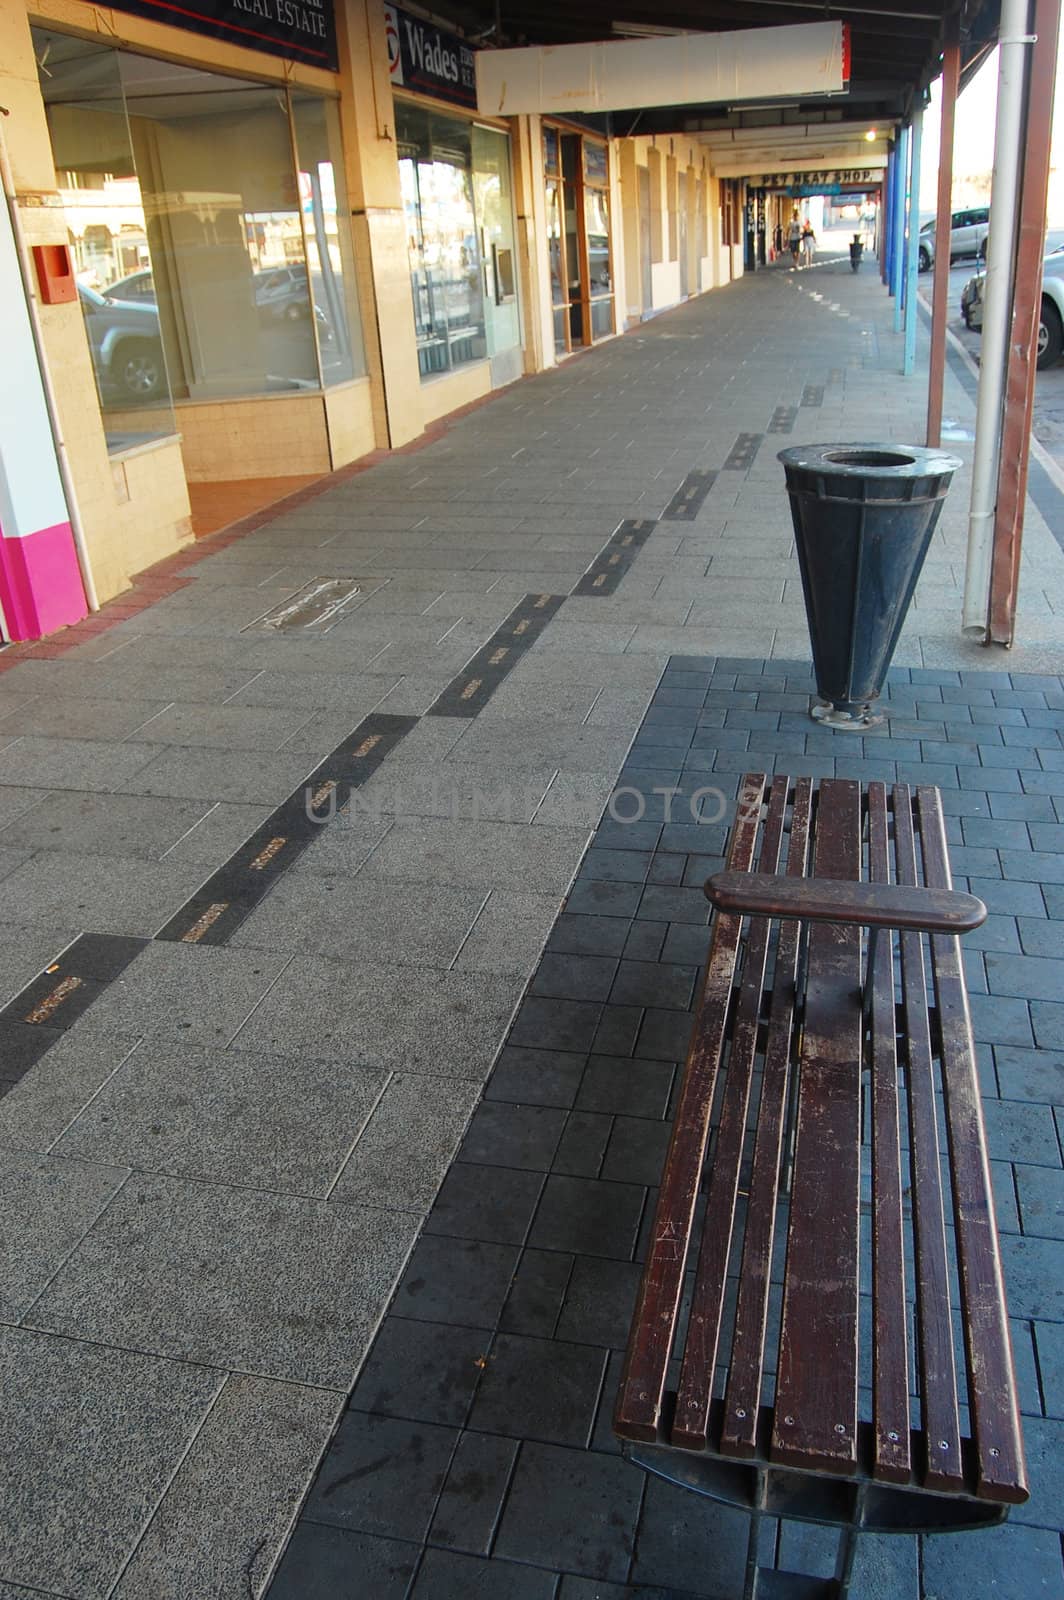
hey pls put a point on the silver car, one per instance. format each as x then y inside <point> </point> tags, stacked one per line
<point>1051,323</point>
<point>968,230</point>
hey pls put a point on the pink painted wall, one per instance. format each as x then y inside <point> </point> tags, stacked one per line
<point>40,584</point>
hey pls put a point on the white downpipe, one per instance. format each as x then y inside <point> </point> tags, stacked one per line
<point>77,527</point>
<point>997,313</point>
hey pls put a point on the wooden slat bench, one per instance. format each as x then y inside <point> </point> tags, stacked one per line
<point>827,1338</point>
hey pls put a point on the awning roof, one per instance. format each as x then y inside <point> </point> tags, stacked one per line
<point>895,47</point>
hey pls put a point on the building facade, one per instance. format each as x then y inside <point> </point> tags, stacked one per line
<point>253,248</point>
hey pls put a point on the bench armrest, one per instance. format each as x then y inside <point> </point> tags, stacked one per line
<point>870,905</point>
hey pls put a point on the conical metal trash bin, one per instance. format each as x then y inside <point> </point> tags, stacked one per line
<point>864,516</point>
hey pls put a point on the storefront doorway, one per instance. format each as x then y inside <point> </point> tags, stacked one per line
<point>578,237</point>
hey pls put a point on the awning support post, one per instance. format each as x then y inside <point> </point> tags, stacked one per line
<point>951,74</point>
<point>901,173</point>
<point>912,251</point>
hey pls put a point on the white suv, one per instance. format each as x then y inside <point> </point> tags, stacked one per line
<point>968,230</point>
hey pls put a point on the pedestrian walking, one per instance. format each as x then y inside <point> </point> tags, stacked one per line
<point>808,243</point>
<point>794,237</point>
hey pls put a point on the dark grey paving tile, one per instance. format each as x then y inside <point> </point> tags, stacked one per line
<point>1041,1199</point>
<point>556,1024</point>
<point>599,1302</point>
<point>1030,1074</point>
<point>382,1475</point>
<point>1034,1277</point>
<point>1012,1562</point>
<point>571,1509</point>
<point>579,935</point>
<point>444,1575</point>
<point>471,1503</point>
<point>618,1030</point>
<point>539,1389</point>
<point>489,1203</point>
<point>537,1293</point>
<point>574,977</point>
<point>513,1136</point>
<point>582,1147</point>
<point>622,1085</point>
<point>327,1563</point>
<point>588,1217</point>
<point>455,1280</point>
<point>594,897</point>
<point>1019,1131</point>
<point>536,1077</point>
<point>647,983</point>
<point>636,1151</point>
<point>426,1371</point>
<point>676,1529</point>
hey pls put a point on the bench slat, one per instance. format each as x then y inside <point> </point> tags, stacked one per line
<point>743,1394</point>
<point>815,1418</point>
<point>707,1304</point>
<point>890,1358</point>
<point>638,1410</point>
<point>938,1373</point>
<point>992,1393</point>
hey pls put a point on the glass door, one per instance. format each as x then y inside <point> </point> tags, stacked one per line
<point>493,196</point>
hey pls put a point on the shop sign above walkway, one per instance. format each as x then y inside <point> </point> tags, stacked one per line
<point>426,58</point>
<point>299,30</point>
<point>688,69</point>
<point>819,182</point>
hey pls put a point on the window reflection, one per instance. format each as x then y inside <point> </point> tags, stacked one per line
<point>205,257</point>
<point>436,177</point>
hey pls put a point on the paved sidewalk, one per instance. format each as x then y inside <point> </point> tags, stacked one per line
<point>241,1046</point>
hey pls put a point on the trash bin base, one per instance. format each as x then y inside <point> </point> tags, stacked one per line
<point>852,721</point>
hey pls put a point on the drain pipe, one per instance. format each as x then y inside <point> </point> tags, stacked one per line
<point>77,527</point>
<point>997,312</point>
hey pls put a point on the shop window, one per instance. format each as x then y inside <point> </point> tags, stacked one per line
<point>436,176</point>
<point>234,257</point>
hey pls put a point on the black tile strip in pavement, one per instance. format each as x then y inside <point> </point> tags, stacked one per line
<point>229,895</point>
<point>742,453</point>
<point>475,1456</point>
<point>48,1006</point>
<point>613,561</point>
<point>472,688</point>
<point>783,419</point>
<point>689,498</point>
<point>813,394</point>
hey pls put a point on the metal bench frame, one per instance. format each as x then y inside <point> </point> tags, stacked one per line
<point>823,1045</point>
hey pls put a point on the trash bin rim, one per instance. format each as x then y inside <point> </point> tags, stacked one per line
<point>901,460</point>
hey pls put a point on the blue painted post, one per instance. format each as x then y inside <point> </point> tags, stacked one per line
<point>901,175</point>
<point>886,237</point>
<point>912,253</point>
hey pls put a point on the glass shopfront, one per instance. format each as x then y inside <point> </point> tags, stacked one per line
<point>457,196</point>
<point>208,223</point>
<point>578,237</point>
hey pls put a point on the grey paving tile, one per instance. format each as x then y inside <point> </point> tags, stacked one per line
<point>195,994</point>
<point>26,948</point>
<point>93,1438</point>
<point>73,763</point>
<point>358,919</point>
<point>117,824</point>
<point>227,727</point>
<point>224,1517</point>
<point>509,933</point>
<point>101,893</point>
<point>1034,1277</point>
<point>445,1024</point>
<point>1041,1197</point>
<point>520,742</point>
<point>672,1531</point>
<point>405,1148</point>
<point>76,718</point>
<point>16,800</point>
<point>224,827</point>
<point>48,1205</point>
<point>264,778</point>
<point>264,1283</point>
<point>479,854</point>
<point>455,791</point>
<point>231,1115</point>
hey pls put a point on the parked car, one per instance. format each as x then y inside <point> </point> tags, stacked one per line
<point>282,294</point>
<point>1051,324</point>
<point>968,229</point>
<point>127,349</point>
<point>138,287</point>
